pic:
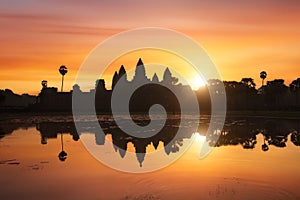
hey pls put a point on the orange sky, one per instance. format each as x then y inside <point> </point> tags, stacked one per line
<point>242,37</point>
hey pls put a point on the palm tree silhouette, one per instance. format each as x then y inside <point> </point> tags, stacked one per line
<point>62,155</point>
<point>62,70</point>
<point>263,75</point>
<point>44,83</point>
<point>264,146</point>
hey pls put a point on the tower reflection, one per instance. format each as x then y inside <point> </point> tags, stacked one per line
<point>237,131</point>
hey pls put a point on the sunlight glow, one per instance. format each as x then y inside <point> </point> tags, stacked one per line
<point>199,138</point>
<point>197,83</point>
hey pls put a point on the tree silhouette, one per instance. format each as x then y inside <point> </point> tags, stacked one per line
<point>295,85</point>
<point>2,97</point>
<point>264,146</point>
<point>248,82</point>
<point>276,94</point>
<point>295,90</point>
<point>76,88</point>
<point>62,70</point>
<point>44,83</point>
<point>263,76</point>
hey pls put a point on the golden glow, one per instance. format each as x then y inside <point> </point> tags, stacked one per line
<point>197,83</point>
<point>200,138</point>
<point>155,61</point>
<point>242,38</point>
<point>226,168</point>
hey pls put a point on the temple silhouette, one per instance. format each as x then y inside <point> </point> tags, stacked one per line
<point>50,99</point>
<point>241,95</point>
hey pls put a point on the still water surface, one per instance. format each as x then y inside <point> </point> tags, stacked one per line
<point>254,158</point>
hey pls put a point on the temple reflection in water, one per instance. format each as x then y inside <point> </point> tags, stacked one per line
<point>276,132</point>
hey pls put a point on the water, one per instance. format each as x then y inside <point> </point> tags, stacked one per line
<point>254,158</point>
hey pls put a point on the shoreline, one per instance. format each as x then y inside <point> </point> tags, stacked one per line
<point>36,117</point>
<point>265,114</point>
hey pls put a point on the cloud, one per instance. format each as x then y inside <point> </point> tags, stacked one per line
<point>82,30</point>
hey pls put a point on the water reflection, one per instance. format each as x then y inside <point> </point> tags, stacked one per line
<point>62,155</point>
<point>243,132</point>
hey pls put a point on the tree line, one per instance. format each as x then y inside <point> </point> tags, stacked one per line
<point>243,95</point>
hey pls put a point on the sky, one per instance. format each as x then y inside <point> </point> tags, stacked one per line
<point>241,37</point>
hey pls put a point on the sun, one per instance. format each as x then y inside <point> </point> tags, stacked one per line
<point>199,138</point>
<point>197,83</point>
